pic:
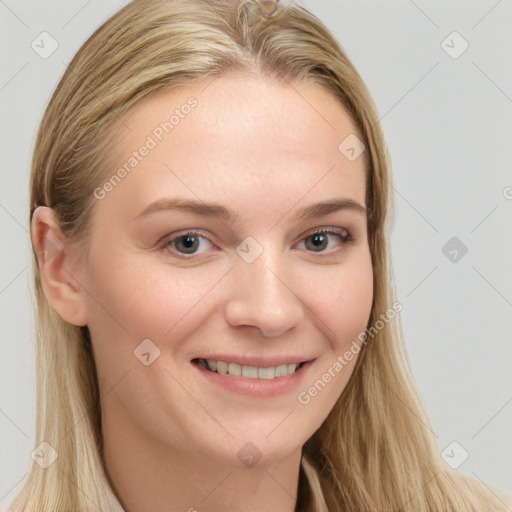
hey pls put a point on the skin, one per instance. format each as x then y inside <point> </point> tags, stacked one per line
<point>265,149</point>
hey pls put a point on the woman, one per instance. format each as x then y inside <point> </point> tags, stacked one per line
<point>216,326</point>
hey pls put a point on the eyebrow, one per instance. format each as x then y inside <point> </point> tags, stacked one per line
<point>206,209</point>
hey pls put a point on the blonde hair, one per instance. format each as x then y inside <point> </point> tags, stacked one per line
<point>375,450</point>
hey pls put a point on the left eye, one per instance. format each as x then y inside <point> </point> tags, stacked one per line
<point>318,240</point>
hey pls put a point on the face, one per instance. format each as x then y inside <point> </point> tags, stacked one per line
<point>207,251</point>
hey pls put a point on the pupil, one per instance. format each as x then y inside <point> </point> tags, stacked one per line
<point>189,243</point>
<point>318,240</point>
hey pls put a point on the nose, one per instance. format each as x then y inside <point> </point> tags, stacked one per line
<point>263,297</point>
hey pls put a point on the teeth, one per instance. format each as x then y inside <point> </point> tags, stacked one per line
<point>292,367</point>
<point>249,372</point>
<point>281,370</point>
<point>266,373</point>
<point>234,369</point>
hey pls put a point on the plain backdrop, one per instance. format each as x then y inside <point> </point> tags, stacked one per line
<point>441,76</point>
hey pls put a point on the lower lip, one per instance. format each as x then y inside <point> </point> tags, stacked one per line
<point>257,387</point>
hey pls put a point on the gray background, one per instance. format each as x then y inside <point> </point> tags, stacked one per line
<point>448,125</point>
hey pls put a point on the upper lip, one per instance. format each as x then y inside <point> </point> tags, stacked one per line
<point>261,362</point>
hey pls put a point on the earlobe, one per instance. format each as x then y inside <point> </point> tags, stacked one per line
<point>57,267</point>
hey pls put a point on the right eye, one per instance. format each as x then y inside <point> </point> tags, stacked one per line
<point>185,242</point>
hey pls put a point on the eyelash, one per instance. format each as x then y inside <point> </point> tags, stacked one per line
<point>342,233</point>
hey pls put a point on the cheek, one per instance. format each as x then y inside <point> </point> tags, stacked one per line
<point>131,306</point>
<point>343,310</point>
<point>134,300</point>
<point>352,306</point>
<point>341,299</point>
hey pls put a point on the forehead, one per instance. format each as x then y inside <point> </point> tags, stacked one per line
<point>237,135</point>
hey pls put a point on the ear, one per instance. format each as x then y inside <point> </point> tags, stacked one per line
<point>57,267</point>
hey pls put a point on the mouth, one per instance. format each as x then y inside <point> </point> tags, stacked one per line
<point>249,372</point>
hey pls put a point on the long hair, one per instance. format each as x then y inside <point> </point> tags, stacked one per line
<point>375,451</point>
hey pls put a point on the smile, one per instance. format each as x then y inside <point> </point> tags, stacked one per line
<point>249,372</point>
